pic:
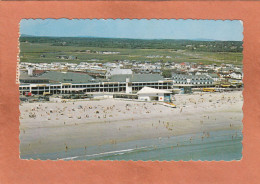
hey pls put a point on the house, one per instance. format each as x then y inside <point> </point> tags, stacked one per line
<point>236,75</point>
<point>62,57</point>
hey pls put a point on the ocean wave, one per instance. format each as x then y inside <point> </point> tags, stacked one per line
<point>117,152</point>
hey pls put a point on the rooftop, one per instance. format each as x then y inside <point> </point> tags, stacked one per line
<point>63,77</point>
<point>136,78</point>
<point>148,90</point>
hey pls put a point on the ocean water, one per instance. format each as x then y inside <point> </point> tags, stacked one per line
<point>216,145</point>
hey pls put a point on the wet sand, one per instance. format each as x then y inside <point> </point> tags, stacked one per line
<point>55,127</point>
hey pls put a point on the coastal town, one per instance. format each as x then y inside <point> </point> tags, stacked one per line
<point>126,78</point>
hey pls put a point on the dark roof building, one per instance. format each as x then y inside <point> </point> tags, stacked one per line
<point>191,79</point>
<point>136,78</point>
<point>56,77</point>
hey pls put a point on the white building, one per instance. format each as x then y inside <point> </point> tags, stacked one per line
<point>236,75</point>
<point>118,71</point>
<point>149,94</point>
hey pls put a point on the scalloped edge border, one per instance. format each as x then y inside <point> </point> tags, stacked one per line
<point>129,161</point>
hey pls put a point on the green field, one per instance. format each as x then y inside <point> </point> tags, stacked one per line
<point>32,49</point>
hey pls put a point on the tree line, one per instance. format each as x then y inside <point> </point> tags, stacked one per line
<point>191,45</point>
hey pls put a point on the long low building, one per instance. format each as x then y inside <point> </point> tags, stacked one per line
<point>194,81</point>
<point>54,82</point>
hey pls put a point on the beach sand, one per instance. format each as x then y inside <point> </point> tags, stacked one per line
<point>49,127</point>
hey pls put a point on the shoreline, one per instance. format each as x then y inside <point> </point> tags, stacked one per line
<point>172,148</point>
<point>130,121</point>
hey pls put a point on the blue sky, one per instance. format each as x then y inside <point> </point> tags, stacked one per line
<point>138,29</point>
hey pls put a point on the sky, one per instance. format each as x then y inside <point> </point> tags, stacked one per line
<point>226,30</point>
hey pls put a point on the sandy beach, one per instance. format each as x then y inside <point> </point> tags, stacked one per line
<point>55,127</point>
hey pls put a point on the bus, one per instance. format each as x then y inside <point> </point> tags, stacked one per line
<point>208,90</point>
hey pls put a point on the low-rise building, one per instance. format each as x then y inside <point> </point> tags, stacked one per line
<point>118,71</point>
<point>195,81</point>
<point>152,94</point>
<point>236,75</point>
<point>71,82</point>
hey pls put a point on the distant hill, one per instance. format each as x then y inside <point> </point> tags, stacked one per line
<point>195,39</point>
<point>25,35</point>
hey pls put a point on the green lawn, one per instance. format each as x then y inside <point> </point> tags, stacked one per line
<point>31,52</point>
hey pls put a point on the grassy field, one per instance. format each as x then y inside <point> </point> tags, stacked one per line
<point>32,52</point>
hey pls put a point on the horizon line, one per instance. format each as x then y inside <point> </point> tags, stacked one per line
<point>195,39</point>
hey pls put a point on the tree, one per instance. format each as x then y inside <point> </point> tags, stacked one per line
<point>167,73</point>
